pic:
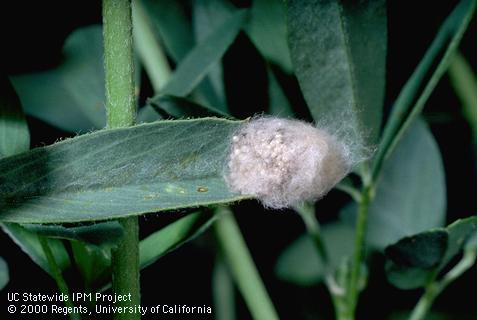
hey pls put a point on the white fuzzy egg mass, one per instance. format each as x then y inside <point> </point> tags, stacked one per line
<point>284,162</point>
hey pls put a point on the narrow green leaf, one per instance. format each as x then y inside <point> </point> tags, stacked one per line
<point>208,16</point>
<point>28,242</point>
<point>94,264</point>
<point>197,63</point>
<point>4,275</point>
<point>173,236</point>
<point>101,234</point>
<point>422,82</point>
<point>71,96</point>
<point>14,134</point>
<point>338,51</point>
<point>268,31</point>
<point>177,107</point>
<point>300,263</point>
<point>119,172</point>
<point>278,102</point>
<point>464,81</point>
<point>411,194</point>
<point>172,25</point>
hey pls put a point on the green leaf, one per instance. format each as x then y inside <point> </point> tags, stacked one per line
<point>422,82</point>
<point>412,259</point>
<point>464,81</point>
<point>4,276</point>
<point>101,234</point>
<point>278,102</point>
<point>71,96</point>
<point>169,19</point>
<point>119,172</point>
<point>173,236</point>
<point>194,67</point>
<point>208,16</point>
<point>268,31</point>
<point>94,264</point>
<point>177,107</point>
<point>300,263</point>
<point>28,242</point>
<point>338,51</point>
<point>14,134</point>
<point>411,194</point>
<point>459,233</point>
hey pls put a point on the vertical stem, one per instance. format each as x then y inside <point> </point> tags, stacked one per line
<point>353,286</point>
<point>57,275</point>
<point>119,63</point>
<point>121,112</point>
<point>223,291</point>
<point>243,269</point>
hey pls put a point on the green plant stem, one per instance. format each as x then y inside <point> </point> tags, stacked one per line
<point>151,55</point>
<point>121,112</point>
<point>223,291</point>
<point>242,267</point>
<point>360,237</point>
<point>434,288</point>
<point>57,275</point>
<point>307,213</point>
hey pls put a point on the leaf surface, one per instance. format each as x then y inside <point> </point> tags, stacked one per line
<point>117,173</point>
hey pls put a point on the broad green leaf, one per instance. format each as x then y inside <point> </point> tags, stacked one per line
<point>412,259</point>
<point>464,81</point>
<point>102,234</point>
<point>300,263</point>
<point>14,134</point>
<point>71,96</point>
<point>197,63</point>
<point>422,82</point>
<point>338,51</point>
<point>177,107</point>
<point>278,102</point>
<point>268,31</point>
<point>4,276</point>
<point>28,242</point>
<point>94,264</point>
<point>170,20</point>
<point>15,138</point>
<point>411,194</point>
<point>120,172</point>
<point>173,236</point>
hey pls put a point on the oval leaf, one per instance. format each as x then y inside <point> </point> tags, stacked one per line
<point>300,263</point>
<point>117,173</point>
<point>411,195</point>
<point>338,51</point>
<point>71,96</point>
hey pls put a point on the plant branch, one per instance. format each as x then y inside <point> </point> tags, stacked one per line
<point>121,112</point>
<point>434,288</point>
<point>57,275</point>
<point>242,267</point>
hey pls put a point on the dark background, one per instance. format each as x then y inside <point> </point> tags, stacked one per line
<point>32,34</point>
